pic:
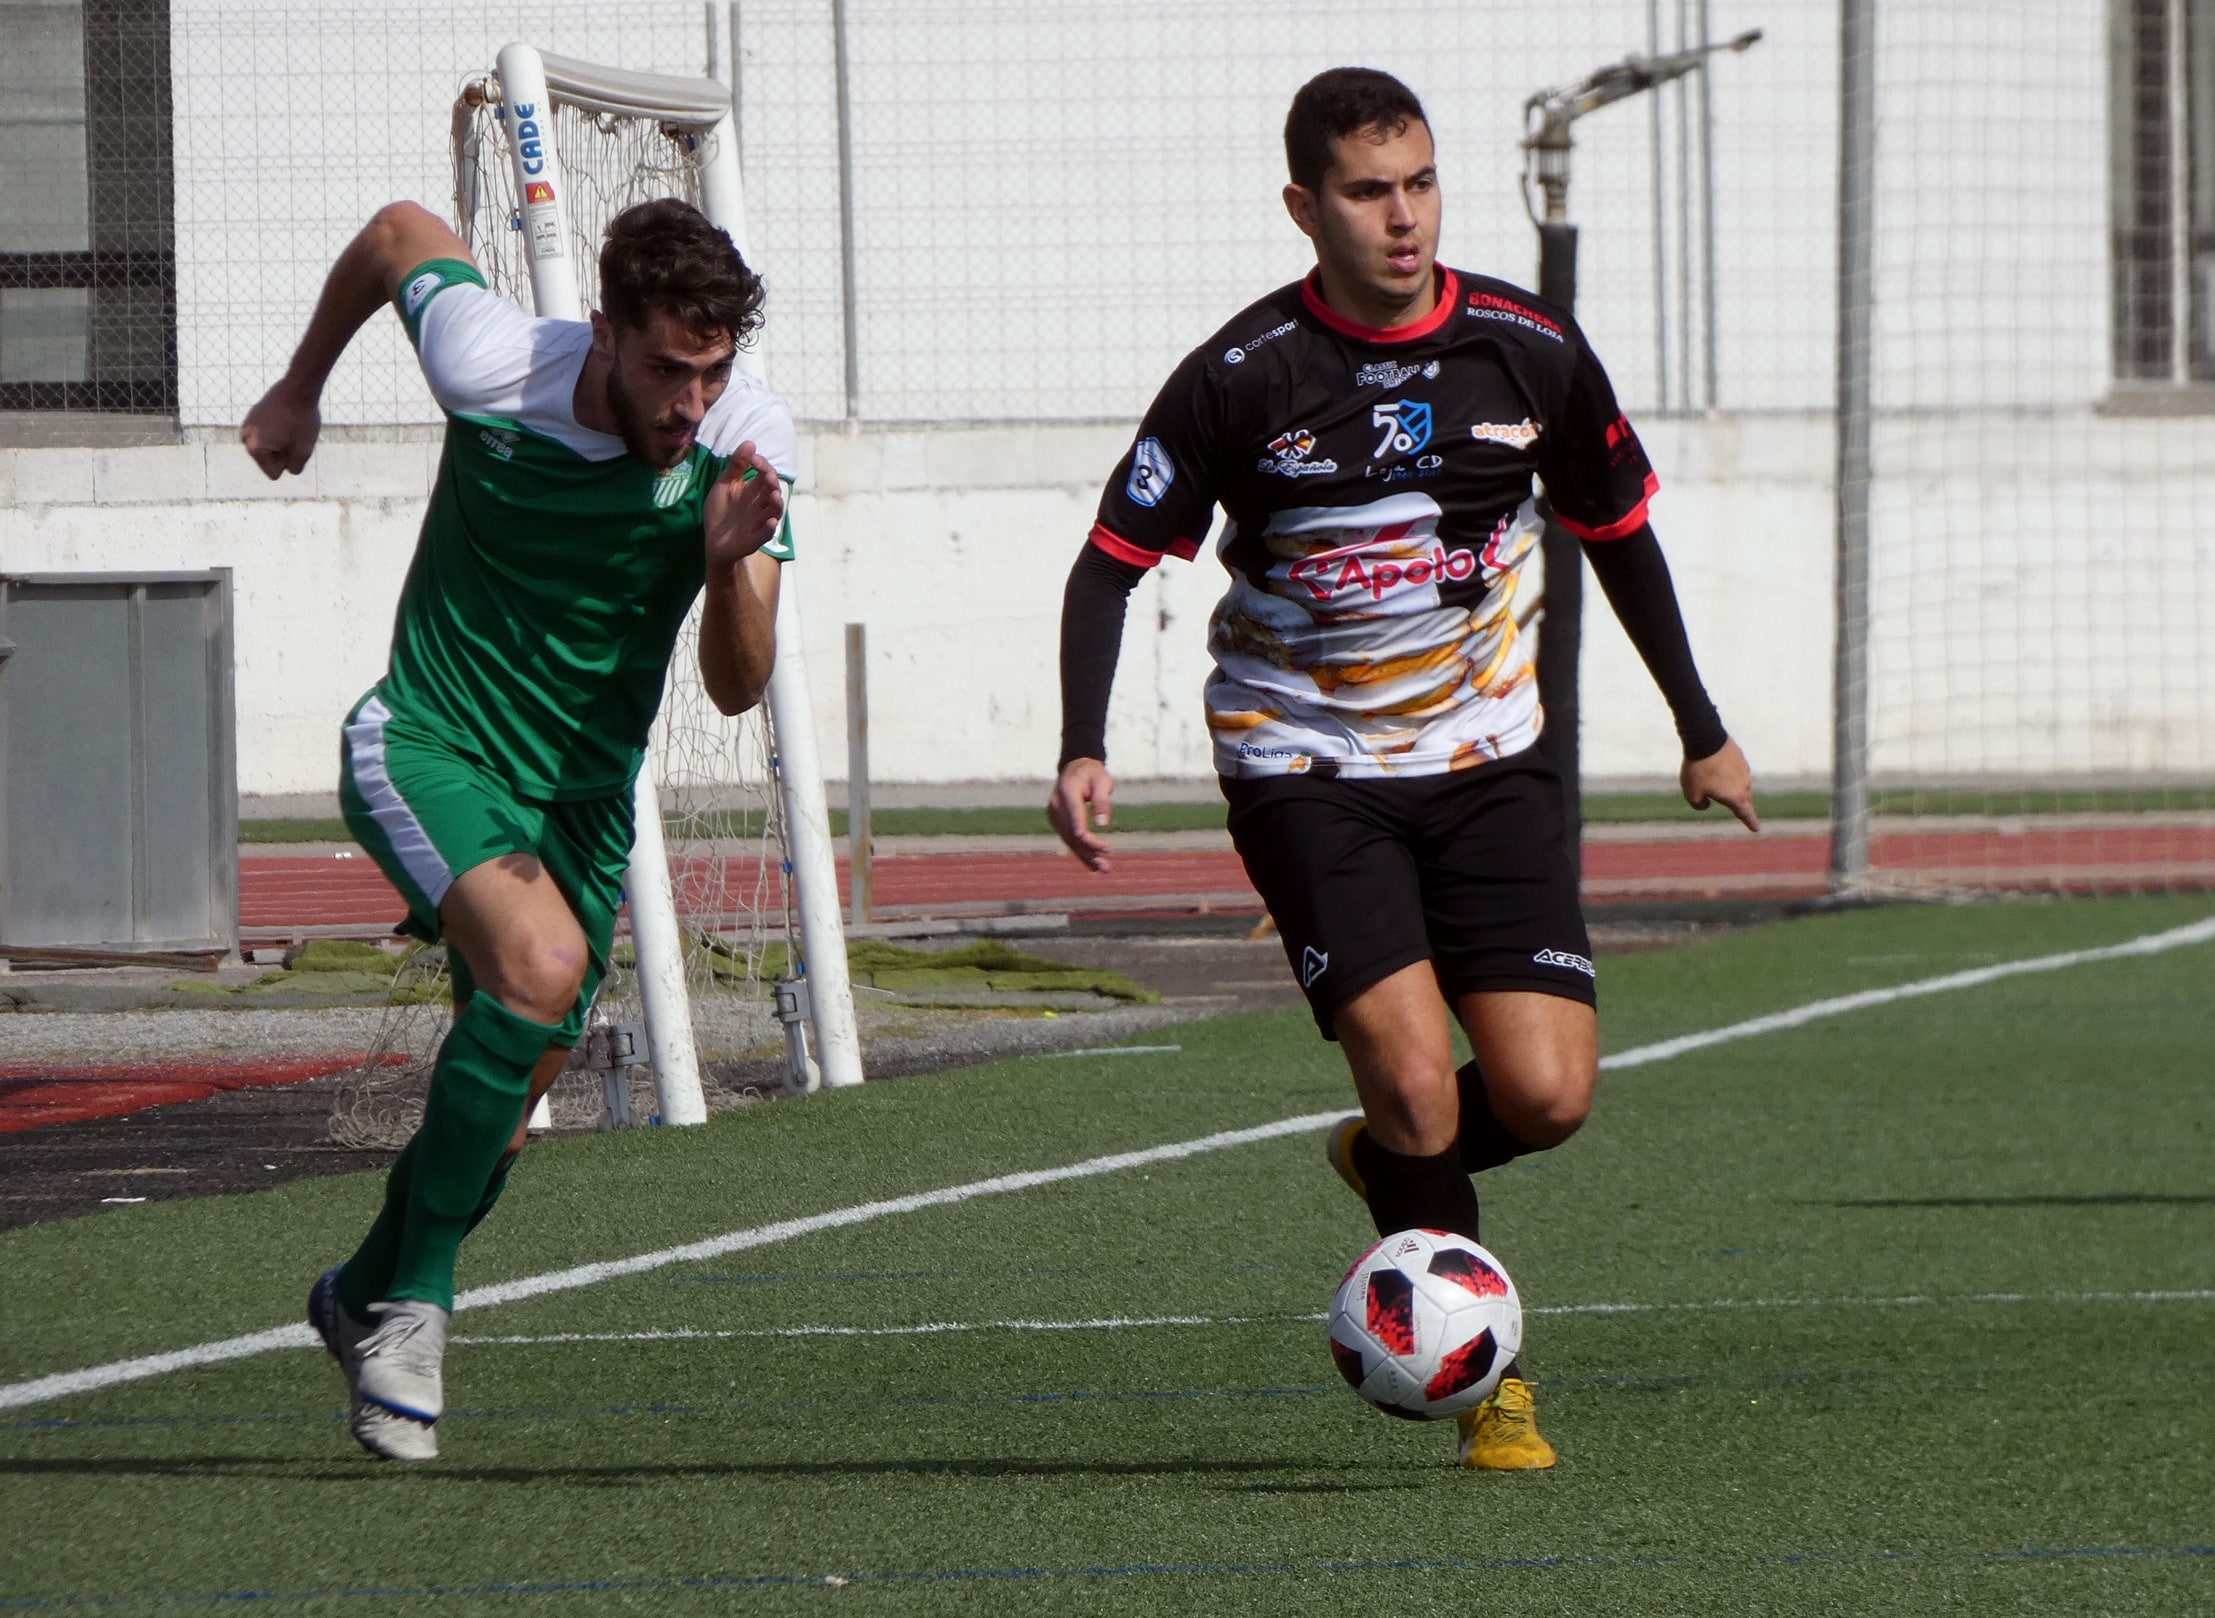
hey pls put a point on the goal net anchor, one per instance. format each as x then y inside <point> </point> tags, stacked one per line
<point>698,159</point>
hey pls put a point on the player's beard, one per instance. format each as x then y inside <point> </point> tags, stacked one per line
<point>638,430</point>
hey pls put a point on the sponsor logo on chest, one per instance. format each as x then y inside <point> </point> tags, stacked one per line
<point>1330,574</point>
<point>1288,456</point>
<point>1390,374</point>
<point>1406,424</point>
<point>1514,434</point>
<point>1237,356</point>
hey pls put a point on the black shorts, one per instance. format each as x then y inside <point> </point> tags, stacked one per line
<point>1467,870</point>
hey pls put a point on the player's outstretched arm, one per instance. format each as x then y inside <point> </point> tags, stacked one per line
<point>280,431</point>
<point>1635,577</point>
<point>738,619</point>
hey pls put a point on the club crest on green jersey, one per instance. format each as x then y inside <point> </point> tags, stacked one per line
<point>670,487</point>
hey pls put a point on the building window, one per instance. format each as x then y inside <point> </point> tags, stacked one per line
<point>88,302</point>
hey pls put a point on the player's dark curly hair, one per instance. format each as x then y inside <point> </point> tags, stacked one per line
<point>668,256</point>
<point>1338,103</point>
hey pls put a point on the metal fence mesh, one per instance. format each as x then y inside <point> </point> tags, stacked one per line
<point>2041,687</point>
<point>1051,202</point>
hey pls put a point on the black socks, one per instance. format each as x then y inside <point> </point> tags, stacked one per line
<point>1416,1193</point>
<point>1484,1141</point>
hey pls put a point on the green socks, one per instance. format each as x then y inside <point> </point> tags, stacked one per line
<point>452,1172</point>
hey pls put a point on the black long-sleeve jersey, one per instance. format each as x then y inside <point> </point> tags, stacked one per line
<point>1377,485</point>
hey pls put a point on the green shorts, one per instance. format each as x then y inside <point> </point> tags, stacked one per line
<point>426,812</point>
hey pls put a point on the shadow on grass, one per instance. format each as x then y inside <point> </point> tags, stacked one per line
<point>2102,1199</point>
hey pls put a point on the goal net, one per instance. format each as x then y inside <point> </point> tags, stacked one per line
<point>726,824</point>
<point>2040,684</point>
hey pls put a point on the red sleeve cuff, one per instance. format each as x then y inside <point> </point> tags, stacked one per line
<point>1137,555</point>
<point>1623,526</point>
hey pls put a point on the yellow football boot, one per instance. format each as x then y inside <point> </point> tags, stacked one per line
<point>1338,1146</point>
<point>1501,1434</point>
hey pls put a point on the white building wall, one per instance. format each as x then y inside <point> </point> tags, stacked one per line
<point>2080,649</point>
<point>952,546</point>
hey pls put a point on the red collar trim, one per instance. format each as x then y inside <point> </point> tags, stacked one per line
<point>1449,295</point>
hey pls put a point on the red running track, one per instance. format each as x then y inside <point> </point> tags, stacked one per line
<point>37,1093</point>
<point>283,891</point>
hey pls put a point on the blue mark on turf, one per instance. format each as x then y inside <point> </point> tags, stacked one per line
<point>1427,1564</point>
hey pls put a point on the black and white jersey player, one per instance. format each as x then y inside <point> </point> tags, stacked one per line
<point>1372,434</point>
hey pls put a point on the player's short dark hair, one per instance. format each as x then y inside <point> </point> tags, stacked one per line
<point>1338,103</point>
<point>668,257</point>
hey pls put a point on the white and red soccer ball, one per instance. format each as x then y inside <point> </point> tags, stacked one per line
<point>1424,1324</point>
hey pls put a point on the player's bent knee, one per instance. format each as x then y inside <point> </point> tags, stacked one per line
<point>1562,1115</point>
<point>1547,1107</point>
<point>542,978</point>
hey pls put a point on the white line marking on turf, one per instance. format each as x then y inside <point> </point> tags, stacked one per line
<point>1113,1050</point>
<point>39,1389</point>
<point>929,1328</point>
<point>2198,932</point>
<point>1915,1300</point>
<point>682,1334</point>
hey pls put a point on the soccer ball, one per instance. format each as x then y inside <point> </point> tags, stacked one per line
<point>1424,1324</point>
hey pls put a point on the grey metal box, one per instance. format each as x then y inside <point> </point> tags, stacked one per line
<point>118,780</point>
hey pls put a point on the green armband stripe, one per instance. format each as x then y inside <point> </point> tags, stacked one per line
<point>425,282</point>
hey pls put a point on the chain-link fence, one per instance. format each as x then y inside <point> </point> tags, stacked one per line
<point>1049,202</point>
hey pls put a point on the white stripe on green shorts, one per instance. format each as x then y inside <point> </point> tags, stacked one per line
<point>365,753</point>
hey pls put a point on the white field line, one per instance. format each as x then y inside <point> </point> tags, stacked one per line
<point>61,1384</point>
<point>1110,1050</point>
<point>2198,932</point>
<point>934,1328</point>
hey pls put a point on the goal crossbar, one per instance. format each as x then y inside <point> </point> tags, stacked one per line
<point>624,94</point>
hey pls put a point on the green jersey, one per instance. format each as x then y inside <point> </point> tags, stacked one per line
<point>554,571</point>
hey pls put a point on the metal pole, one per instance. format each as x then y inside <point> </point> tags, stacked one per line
<point>847,302</point>
<point>1684,224</point>
<point>857,768</point>
<point>1707,214</point>
<point>1658,190</point>
<point>1560,638</point>
<point>527,114</point>
<point>2180,203</point>
<point>814,872</point>
<point>738,87</point>
<point>1849,838</point>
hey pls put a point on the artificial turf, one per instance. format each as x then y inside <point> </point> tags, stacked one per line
<point>1923,1307</point>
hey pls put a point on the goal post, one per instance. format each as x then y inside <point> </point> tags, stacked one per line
<point>533,88</point>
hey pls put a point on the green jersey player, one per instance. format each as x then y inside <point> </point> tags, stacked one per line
<point>596,479</point>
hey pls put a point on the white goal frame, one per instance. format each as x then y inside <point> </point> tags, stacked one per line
<point>528,80</point>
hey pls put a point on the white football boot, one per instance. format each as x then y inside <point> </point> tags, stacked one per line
<point>380,1431</point>
<point>397,1384</point>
